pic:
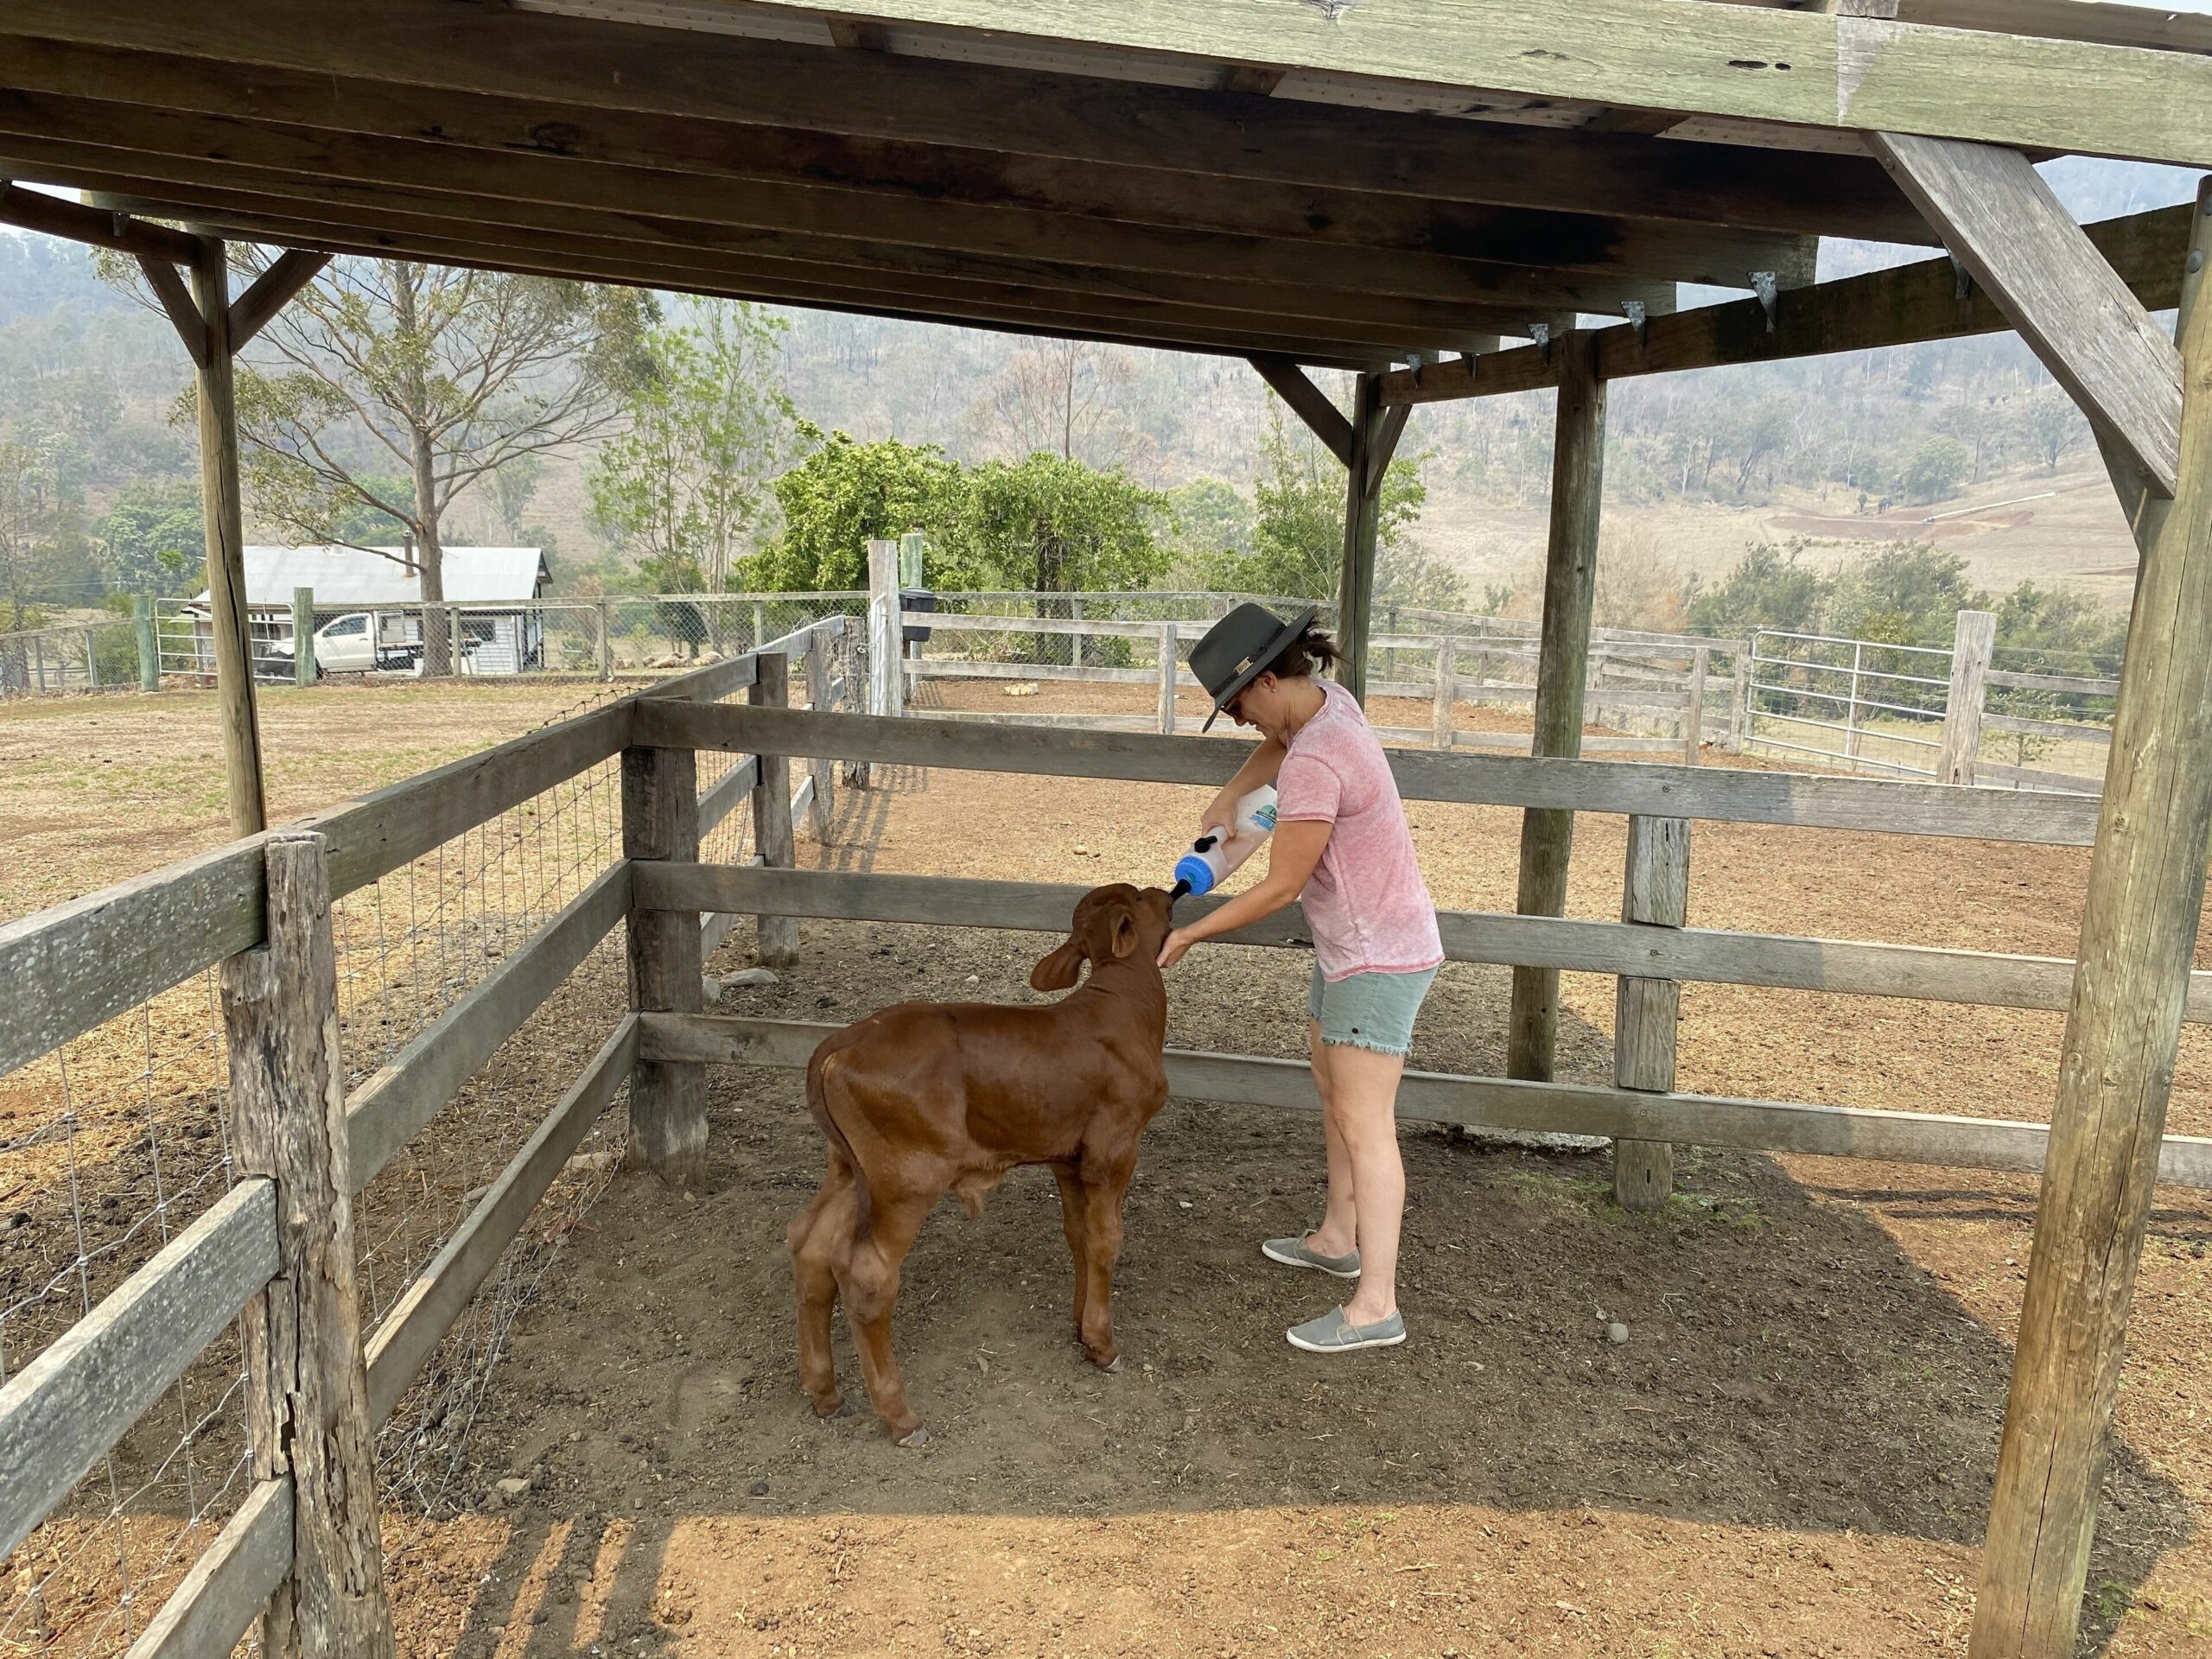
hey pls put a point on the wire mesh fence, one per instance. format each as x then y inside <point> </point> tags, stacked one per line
<point>71,660</point>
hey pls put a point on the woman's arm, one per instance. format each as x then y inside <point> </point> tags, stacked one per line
<point>1262,765</point>
<point>1297,848</point>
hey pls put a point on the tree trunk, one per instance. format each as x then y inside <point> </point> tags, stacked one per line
<point>439,647</point>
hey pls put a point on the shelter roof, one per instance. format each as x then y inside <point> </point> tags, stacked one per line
<point>353,575</point>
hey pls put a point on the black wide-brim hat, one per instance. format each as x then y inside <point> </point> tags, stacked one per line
<point>1241,647</point>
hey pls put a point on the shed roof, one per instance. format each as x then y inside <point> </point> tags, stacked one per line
<point>1400,179</point>
<point>353,575</point>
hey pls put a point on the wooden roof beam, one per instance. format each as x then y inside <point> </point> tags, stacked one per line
<point>303,62</point>
<point>1897,306</point>
<point>1806,68</point>
<point>34,210</point>
<point>1309,402</point>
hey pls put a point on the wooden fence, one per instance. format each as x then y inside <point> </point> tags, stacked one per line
<point>261,906</point>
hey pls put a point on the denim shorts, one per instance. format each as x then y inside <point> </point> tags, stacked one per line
<point>1373,1010</point>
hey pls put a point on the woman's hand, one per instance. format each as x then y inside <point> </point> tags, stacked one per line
<point>1221,811</point>
<point>1177,942</point>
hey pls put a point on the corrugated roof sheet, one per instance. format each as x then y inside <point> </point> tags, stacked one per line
<point>353,575</point>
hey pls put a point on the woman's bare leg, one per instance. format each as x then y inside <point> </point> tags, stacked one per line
<point>1362,1112</point>
<point>1338,1231</point>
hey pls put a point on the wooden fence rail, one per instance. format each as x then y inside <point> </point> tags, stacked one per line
<point>1502,1104</point>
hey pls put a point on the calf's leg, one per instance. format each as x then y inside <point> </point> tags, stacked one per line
<point>1074,1225</point>
<point>870,1282</point>
<point>1102,1216</point>
<point>820,1242</point>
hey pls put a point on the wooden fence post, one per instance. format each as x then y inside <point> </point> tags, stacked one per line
<point>1079,648</point>
<point>602,610</point>
<point>668,1098</point>
<point>1694,712</point>
<point>1739,705</point>
<point>1168,662</point>
<point>1562,666</point>
<point>1655,893</point>
<point>772,808</point>
<point>887,670</point>
<point>149,648</point>
<point>91,662</point>
<point>1447,689</point>
<point>817,700</point>
<point>2116,1060</point>
<point>303,636</point>
<point>1974,638</point>
<point>759,623</point>
<point>307,1388</point>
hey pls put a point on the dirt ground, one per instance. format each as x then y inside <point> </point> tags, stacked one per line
<point>1790,1455</point>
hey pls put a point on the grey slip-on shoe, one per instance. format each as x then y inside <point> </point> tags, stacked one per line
<point>1332,1333</point>
<point>1299,1253</point>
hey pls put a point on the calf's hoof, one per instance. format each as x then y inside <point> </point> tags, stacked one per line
<point>837,1405</point>
<point>915,1441</point>
<point>1111,1367</point>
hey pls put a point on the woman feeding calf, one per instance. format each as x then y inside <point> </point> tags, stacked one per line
<point>925,1098</point>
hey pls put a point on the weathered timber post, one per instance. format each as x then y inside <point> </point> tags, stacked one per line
<point>886,672</point>
<point>605,644</point>
<point>1167,661</point>
<point>668,1098</point>
<point>1356,582</point>
<point>1740,704</point>
<point>149,649</point>
<point>817,701</point>
<point>1974,638</point>
<point>1447,668</point>
<point>91,662</point>
<point>1078,645</point>
<point>759,623</point>
<point>772,810</point>
<point>303,636</point>
<point>306,1389</point>
<point>217,406</point>
<point>1655,892</point>
<point>1563,659</point>
<point>2116,1061</point>
<point>1693,709</point>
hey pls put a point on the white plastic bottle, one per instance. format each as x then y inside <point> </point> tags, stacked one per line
<point>1222,848</point>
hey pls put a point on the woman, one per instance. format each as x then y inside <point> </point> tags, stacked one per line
<point>1341,841</point>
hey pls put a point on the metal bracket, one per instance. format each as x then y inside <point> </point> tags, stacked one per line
<point>1763,285</point>
<point>1962,281</point>
<point>1541,334</point>
<point>1635,311</point>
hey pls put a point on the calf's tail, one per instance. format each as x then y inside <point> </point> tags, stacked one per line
<point>819,1085</point>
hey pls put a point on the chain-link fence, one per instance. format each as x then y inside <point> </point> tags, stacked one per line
<point>72,659</point>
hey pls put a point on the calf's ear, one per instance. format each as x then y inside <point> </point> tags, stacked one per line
<point>1125,934</point>
<point>1059,970</point>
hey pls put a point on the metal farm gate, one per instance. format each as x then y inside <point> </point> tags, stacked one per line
<point>1854,704</point>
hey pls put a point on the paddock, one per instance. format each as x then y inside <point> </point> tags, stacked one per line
<point>1358,185</point>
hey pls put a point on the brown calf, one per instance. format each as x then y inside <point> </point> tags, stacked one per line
<point>927,1097</point>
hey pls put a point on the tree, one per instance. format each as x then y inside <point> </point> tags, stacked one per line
<point>845,494</point>
<point>686,484</point>
<point>153,540</point>
<point>451,376</point>
<point>2053,425</point>
<point>1211,518</point>
<point>1056,396</point>
<point>1935,468</point>
<point>1297,535</point>
<point>1059,526</point>
<point>1770,588</point>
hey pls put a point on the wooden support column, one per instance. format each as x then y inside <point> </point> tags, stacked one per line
<point>668,1099</point>
<point>1562,663</point>
<point>1375,433</point>
<point>217,405</point>
<point>2116,1062</point>
<point>772,808</point>
<point>1656,892</point>
<point>1974,638</point>
<point>307,1388</point>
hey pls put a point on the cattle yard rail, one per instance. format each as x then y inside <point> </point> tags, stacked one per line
<point>261,907</point>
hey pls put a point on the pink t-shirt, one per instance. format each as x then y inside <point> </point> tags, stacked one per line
<point>1371,909</point>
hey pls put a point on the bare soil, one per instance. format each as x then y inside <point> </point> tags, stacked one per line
<point>1790,1455</point>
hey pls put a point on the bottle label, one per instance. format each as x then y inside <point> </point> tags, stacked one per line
<point>1264,819</point>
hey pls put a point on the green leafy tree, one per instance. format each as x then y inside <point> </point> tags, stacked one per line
<point>1770,588</point>
<point>686,484</point>
<point>1907,594</point>
<point>1935,469</point>
<point>153,540</point>
<point>384,370</point>
<point>1298,536</point>
<point>845,494</point>
<point>1060,526</point>
<point>1212,517</point>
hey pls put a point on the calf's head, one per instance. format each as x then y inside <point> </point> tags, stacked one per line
<point>1115,924</point>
